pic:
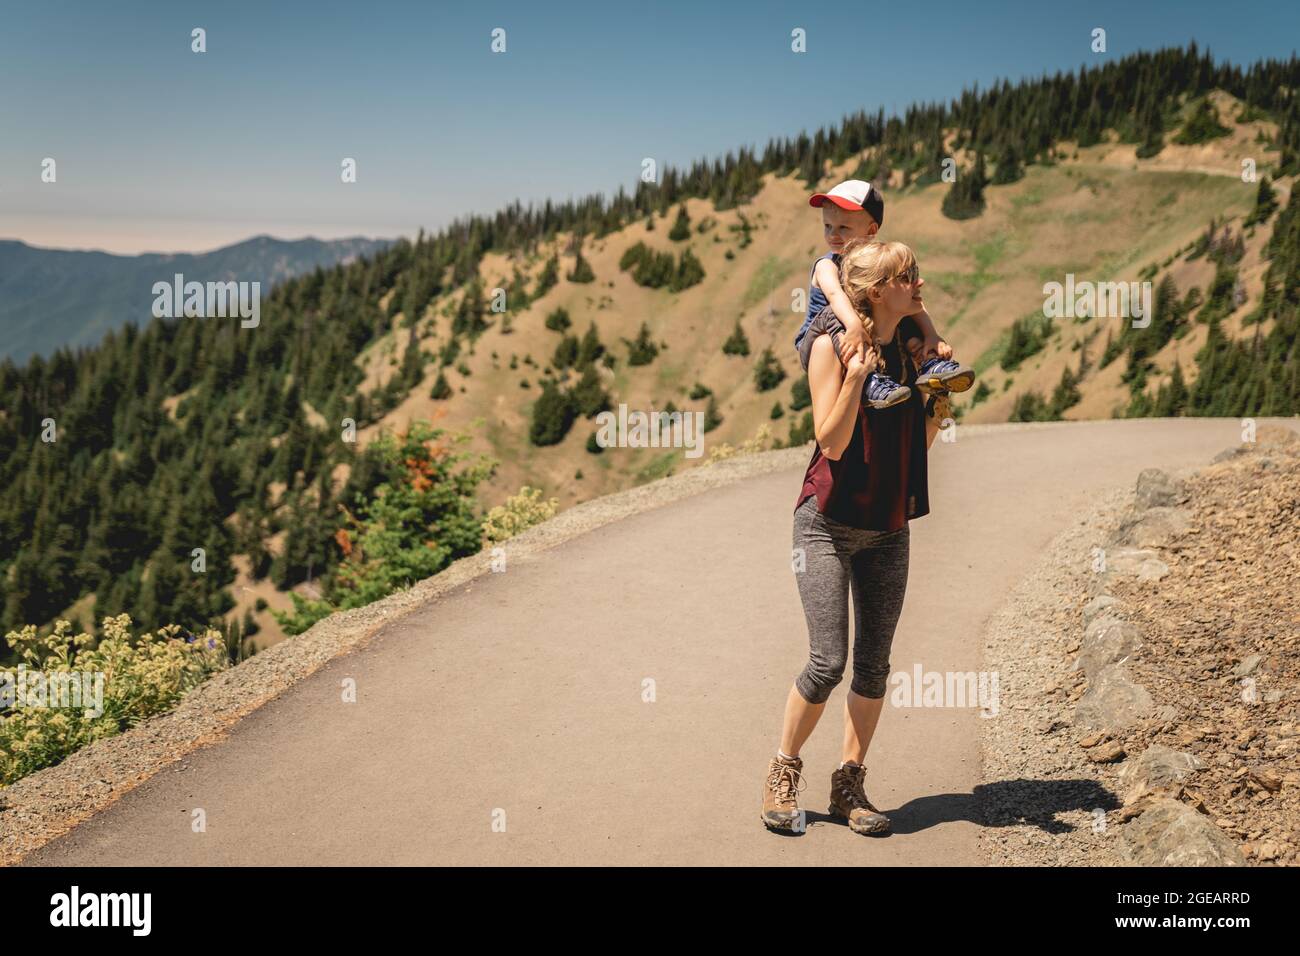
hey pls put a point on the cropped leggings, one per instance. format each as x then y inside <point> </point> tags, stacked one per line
<point>839,558</point>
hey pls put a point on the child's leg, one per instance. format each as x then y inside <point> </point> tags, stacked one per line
<point>805,348</point>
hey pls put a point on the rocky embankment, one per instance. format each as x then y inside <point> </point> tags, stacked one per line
<point>1150,710</point>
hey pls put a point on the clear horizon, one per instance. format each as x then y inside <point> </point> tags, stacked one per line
<point>160,149</point>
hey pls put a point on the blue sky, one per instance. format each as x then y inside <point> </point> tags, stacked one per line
<point>159,148</point>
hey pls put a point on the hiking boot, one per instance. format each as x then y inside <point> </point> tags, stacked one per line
<point>938,375</point>
<point>849,802</point>
<point>881,391</point>
<point>781,793</point>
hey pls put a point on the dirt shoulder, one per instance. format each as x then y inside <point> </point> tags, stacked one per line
<point>1148,673</point>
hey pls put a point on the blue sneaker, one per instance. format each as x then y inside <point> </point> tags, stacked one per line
<point>938,376</point>
<point>881,391</point>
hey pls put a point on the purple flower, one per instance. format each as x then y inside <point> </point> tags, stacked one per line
<point>211,643</point>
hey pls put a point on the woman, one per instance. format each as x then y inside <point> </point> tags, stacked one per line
<point>866,480</point>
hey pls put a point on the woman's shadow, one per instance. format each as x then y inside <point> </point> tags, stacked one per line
<point>1004,803</point>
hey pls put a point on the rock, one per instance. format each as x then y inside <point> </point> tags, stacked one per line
<point>1158,527</point>
<point>1228,454</point>
<point>1112,701</point>
<point>1158,769</point>
<point>1098,604</point>
<point>1270,780</point>
<point>1107,753</point>
<point>1266,851</point>
<point>1106,641</point>
<point>1247,665</point>
<point>1170,833</point>
<point>1140,563</point>
<point>1156,489</point>
<point>1153,527</point>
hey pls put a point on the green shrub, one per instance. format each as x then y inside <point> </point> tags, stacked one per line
<point>416,521</point>
<point>519,513</point>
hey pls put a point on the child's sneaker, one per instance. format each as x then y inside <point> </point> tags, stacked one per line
<point>881,391</point>
<point>944,375</point>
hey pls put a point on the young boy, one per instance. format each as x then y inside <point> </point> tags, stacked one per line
<point>855,210</point>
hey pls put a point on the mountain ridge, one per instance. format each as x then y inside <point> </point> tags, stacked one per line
<point>69,298</point>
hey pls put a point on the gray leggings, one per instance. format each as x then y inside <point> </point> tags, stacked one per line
<point>874,565</point>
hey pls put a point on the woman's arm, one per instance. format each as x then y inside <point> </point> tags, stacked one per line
<point>934,343</point>
<point>836,392</point>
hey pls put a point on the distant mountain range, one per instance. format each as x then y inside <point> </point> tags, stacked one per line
<point>58,297</point>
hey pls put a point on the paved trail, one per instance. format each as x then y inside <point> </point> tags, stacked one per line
<point>522,691</point>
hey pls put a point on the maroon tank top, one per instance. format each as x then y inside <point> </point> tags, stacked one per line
<point>880,481</point>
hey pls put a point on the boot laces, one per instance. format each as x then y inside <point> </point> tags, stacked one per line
<point>787,781</point>
<point>851,786</point>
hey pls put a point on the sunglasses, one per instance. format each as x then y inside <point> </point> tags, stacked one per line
<point>909,275</point>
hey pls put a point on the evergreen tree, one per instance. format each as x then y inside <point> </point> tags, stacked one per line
<point>549,278</point>
<point>642,350</point>
<point>768,373</point>
<point>737,343</point>
<point>1151,127</point>
<point>681,230</point>
<point>800,394</point>
<point>581,269</point>
<point>1203,125</point>
<point>566,353</point>
<point>590,348</point>
<point>589,395</point>
<point>1265,203</point>
<point>553,415</point>
<point>689,272</point>
<point>1091,129</point>
<point>965,198</point>
<point>1009,168</point>
<point>712,418</point>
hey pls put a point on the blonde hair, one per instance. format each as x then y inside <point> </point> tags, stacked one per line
<point>865,264</point>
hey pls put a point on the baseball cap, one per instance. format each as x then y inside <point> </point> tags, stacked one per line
<point>854,195</point>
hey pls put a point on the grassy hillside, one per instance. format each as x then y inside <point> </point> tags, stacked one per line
<point>1103,216</point>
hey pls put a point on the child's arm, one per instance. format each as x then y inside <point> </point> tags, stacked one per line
<point>934,343</point>
<point>827,278</point>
